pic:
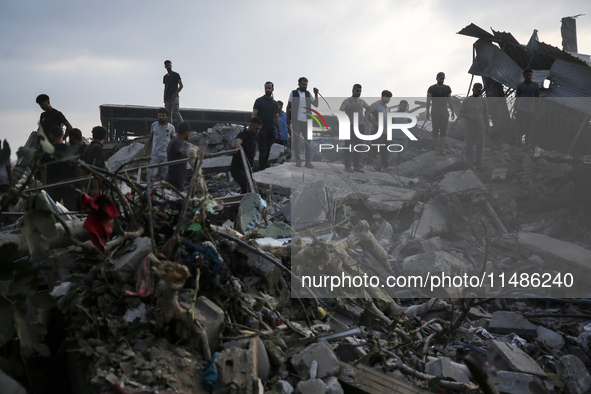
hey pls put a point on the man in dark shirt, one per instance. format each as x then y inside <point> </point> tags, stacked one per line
<point>265,108</point>
<point>177,173</point>
<point>440,94</point>
<point>76,140</point>
<point>95,156</point>
<point>51,116</point>
<point>247,141</point>
<point>172,87</point>
<point>60,170</point>
<point>525,106</point>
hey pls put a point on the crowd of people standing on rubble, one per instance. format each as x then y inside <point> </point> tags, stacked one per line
<point>271,124</point>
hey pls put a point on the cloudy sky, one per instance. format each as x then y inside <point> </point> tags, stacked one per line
<point>84,54</point>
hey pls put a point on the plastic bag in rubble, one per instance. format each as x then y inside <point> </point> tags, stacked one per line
<point>210,374</point>
<point>208,205</point>
<point>144,285</point>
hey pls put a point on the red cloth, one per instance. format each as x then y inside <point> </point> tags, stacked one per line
<point>144,285</point>
<point>98,223</point>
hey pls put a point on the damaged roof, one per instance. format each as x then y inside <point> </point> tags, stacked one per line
<point>504,62</point>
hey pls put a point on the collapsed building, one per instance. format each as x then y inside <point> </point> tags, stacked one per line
<point>181,300</point>
<point>564,77</point>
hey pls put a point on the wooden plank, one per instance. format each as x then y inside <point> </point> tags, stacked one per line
<point>363,379</point>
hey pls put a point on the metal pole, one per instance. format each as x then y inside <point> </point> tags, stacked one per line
<point>247,171</point>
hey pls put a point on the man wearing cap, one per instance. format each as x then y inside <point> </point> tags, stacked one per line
<point>474,112</point>
<point>440,94</point>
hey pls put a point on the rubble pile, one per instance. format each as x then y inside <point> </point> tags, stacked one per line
<point>188,297</point>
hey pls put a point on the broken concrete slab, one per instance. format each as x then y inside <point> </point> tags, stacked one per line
<point>461,183</point>
<point>257,348</point>
<point>312,386</point>
<point>445,368</point>
<point>287,177</point>
<point>125,155</point>
<point>511,358</point>
<point>550,338</point>
<point>573,255</point>
<point>428,164</point>
<point>499,174</point>
<point>366,380</point>
<point>574,374</point>
<point>211,318</point>
<point>9,385</point>
<point>309,206</point>
<point>518,383</point>
<point>126,265</point>
<point>237,372</point>
<point>433,221</point>
<point>322,353</point>
<point>504,322</point>
<point>391,199</point>
<point>334,387</point>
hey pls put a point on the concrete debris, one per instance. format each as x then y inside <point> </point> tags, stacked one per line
<point>432,222</point>
<point>513,359</point>
<point>550,338</point>
<point>518,383</point>
<point>504,322</point>
<point>446,368</point>
<point>210,309</point>
<point>322,353</point>
<point>461,183</point>
<point>574,374</point>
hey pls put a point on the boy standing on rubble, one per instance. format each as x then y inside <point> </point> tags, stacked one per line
<point>177,173</point>
<point>474,111</point>
<point>247,141</point>
<point>525,106</point>
<point>160,134</point>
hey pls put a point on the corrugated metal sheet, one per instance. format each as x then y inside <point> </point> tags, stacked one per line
<point>570,84</point>
<point>492,62</point>
<point>474,31</point>
<point>505,37</point>
<point>537,55</point>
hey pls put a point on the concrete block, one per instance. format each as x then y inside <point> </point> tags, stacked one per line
<point>312,386</point>
<point>574,375</point>
<point>322,353</point>
<point>433,221</point>
<point>461,183</point>
<point>211,317</point>
<point>385,234</point>
<point>125,155</point>
<point>573,255</point>
<point>126,265</point>
<point>391,199</point>
<point>238,369</point>
<point>511,358</point>
<point>551,338</point>
<point>518,383</point>
<point>334,387</point>
<point>447,369</point>
<point>504,322</point>
<point>498,175</point>
<point>308,207</point>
